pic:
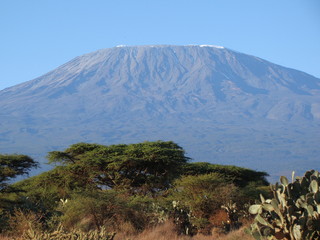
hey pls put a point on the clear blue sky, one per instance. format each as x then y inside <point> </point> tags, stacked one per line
<point>39,35</point>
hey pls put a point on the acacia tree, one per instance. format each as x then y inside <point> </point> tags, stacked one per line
<point>147,167</point>
<point>239,176</point>
<point>12,166</point>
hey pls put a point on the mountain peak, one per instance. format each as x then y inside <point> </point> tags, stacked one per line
<point>189,45</point>
<point>215,102</point>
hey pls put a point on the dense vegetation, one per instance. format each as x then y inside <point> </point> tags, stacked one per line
<point>125,188</point>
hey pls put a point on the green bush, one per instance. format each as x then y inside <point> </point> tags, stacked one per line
<point>202,195</point>
<point>91,210</point>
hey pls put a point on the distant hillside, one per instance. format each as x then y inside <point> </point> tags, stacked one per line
<point>220,105</point>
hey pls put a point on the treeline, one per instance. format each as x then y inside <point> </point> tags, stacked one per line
<point>123,187</point>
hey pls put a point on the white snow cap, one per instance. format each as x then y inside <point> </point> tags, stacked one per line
<point>214,46</point>
<point>195,45</point>
<point>206,45</point>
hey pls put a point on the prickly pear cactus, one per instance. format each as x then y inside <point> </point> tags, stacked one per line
<point>294,211</point>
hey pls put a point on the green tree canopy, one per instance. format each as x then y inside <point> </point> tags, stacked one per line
<point>12,166</point>
<point>46,189</point>
<point>238,175</point>
<point>143,167</point>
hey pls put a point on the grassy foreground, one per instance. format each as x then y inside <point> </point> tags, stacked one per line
<point>167,231</point>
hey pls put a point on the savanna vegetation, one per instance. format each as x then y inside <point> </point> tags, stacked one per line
<point>148,190</point>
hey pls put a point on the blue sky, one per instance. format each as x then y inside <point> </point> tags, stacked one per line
<point>39,35</point>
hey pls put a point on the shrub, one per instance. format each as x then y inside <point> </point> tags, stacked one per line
<point>21,221</point>
<point>91,210</point>
<point>202,195</point>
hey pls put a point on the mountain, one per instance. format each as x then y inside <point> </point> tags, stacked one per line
<point>220,105</point>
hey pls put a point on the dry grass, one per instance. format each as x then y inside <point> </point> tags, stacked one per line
<point>236,235</point>
<point>5,238</point>
<point>166,232</point>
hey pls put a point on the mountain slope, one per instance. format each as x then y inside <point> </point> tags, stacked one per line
<point>220,105</point>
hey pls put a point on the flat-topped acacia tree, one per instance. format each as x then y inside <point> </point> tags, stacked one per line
<point>12,166</point>
<point>147,167</point>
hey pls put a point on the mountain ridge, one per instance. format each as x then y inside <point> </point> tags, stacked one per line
<point>137,93</point>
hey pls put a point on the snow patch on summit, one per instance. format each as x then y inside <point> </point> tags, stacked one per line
<point>214,46</point>
<point>206,45</point>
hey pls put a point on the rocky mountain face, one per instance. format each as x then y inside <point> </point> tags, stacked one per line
<point>220,105</point>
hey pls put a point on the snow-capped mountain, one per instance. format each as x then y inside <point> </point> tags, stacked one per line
<point>220,105</point>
